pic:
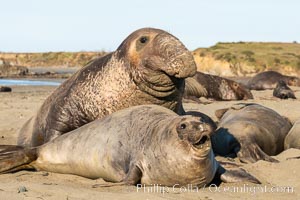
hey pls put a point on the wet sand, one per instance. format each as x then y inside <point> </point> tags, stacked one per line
<point>279,180</point>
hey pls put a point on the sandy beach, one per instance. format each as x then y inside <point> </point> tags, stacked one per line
<point>279,180</point>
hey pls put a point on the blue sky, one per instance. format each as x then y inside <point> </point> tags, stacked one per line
<point>93,25</point>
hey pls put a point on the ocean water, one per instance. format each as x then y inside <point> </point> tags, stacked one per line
<point>8,82</point>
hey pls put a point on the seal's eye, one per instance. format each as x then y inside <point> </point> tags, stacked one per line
<point>143,39</point>
<point>182,126</point>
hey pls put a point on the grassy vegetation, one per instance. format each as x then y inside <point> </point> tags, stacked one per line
<point>263,56</point>
<point>50,59</point>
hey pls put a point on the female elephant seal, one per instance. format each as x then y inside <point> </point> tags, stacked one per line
<point>147,144</point>
<point>215,87</point>
<point>250,131</point>
<point>292,140</point>
<point>283,91</point>
<point>149,67</point>
<point>268,80</point>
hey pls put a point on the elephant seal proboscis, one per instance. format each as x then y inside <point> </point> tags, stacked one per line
<point>251,132</point>
<point>215,87</point>
<point>283,91</point>
<point>268,80</point>
<point>149,67</point>
<point>143,144</point>
<point>292,140</point>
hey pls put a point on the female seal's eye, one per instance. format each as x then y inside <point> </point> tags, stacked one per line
<point>182,126</point>
<point>143,39</point>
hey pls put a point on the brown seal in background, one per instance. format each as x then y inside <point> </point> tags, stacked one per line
<point>215,87</point>
<point>283,91</point>
<point>268,80</point>
<point>251,132</point>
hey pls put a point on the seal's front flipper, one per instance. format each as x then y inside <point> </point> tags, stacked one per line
<point>133,177</point>
<point>251,153</point>
<point>14,158</point>
<point>109,184</point>
<point>236,175</point>
<point>297,157</point>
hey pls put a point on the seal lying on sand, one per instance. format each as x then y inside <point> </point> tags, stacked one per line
<point>215,87</point>
<point>149,67</point>
<point>250,131</point>
<point>5,89</point>
<point>292,140</point>
<point>147,144</point>
<point>283,91</point>
<point>268,80</point>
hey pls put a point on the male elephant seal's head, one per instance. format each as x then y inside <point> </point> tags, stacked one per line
<point>157,59</point>
<point>186,156</point>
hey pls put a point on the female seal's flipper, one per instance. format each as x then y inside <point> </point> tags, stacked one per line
<point>251,153</point>
<point>14,158</point>
<point>235,175</point>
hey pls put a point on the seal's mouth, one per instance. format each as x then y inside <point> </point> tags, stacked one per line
<point>200,144</point>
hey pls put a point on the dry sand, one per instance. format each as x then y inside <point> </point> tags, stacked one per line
<point>279,180</point>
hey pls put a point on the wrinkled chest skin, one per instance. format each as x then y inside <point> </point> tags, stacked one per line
<point>145,69</point>
<point>140,142</point>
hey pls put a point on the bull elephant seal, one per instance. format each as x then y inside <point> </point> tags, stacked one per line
<point>292,140</point>
<point>251,132</point>
<point>148,144</point>
<point>149,67</point>
<point>268,80</point>
<point>215,87</point>
<point>283,91</point>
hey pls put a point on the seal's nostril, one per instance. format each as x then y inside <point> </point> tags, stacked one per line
<point>201,128</point>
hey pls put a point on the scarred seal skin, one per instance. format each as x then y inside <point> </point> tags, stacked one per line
<point>149,67</point>
<point>215,87</point>
<point>268,80</point>
<point>251,132</point>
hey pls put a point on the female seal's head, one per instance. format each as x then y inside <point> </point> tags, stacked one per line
<point>182,152</point>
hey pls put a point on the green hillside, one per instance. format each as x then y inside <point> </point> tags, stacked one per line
<point>263,56</point>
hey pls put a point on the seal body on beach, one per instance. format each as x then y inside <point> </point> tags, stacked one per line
<point>268,80</point>
<point>149,67</point>
<point>251,132</point>
<point>283,91</point>
<point>215,87</point>
<point>292,140</point>
<point>5,89</point>
<point>146,144</point>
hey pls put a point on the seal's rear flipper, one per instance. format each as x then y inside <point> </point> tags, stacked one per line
<point>236,175</point>
<point>14,158</point>
<point>251,153</point>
